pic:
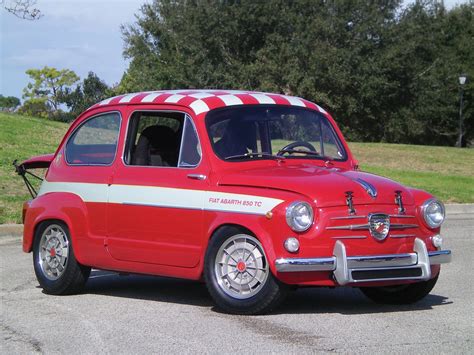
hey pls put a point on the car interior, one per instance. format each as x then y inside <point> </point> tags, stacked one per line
<point>154,139</point>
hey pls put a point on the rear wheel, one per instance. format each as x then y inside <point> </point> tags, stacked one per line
<point>238,276</point>
<point>400,294</point>
<point>56,267</point>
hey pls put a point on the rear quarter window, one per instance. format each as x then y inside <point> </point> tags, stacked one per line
<point>95,141</point>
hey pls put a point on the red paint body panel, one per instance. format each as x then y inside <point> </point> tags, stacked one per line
<point>172,241</point>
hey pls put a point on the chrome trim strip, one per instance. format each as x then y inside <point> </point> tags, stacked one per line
<point>137,204</point>
<point>403,226</point>
<point>347,217</point>
<point>440,257</point>
<point>401,235</point>
<point>300,264</point>
<point>401,216</point>
<point>350,227</point>
<point>350,237</point>
<point>375,261</point>
<point>197,176</point>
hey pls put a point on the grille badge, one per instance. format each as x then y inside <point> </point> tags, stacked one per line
<point>379,225</point>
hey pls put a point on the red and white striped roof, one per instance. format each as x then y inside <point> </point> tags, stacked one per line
<point>202,101</point>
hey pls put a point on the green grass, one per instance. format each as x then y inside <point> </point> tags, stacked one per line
<point>20,138</point>
<point>446,172</point>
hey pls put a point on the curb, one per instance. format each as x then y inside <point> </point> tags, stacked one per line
<point>11,230</point>
<point>459,208</point>
<point>16,230</point>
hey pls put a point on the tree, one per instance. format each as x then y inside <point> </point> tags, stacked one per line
<point>9,103</point>
<point>24,9</point>
<point>48,87</point>
<point>91,91</point>
<point>385,71</point>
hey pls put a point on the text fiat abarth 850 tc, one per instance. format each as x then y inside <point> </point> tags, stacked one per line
<point>254,193</point>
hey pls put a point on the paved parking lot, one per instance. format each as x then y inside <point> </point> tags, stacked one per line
<point>137,314</point>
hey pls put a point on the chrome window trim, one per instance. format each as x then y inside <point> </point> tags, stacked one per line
<point>83,123</point>
<point>159,167</point>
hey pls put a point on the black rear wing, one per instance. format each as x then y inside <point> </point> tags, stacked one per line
<point>38,162</point>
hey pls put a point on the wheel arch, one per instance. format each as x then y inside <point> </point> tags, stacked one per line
<point>253,229</point>
<point>71,211</point>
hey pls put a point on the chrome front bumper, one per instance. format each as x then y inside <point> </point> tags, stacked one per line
<point>353,269</point>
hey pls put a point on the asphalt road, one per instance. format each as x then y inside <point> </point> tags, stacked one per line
<point>137,314</point>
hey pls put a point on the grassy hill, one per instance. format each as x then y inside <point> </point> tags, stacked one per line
<point>446,172</point>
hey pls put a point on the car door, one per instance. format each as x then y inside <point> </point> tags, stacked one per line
<point>157,193</point>
<point>84,168</point>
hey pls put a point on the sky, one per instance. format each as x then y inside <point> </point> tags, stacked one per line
<point>81,35</point>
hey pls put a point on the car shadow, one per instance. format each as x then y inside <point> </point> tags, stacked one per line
<point>348,300</point>
<point>151,288</point>
<point>340,300</point>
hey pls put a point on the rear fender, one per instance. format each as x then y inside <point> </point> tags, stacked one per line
<point>66,207</point>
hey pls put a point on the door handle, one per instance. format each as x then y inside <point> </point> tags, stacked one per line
<point>197,176</point>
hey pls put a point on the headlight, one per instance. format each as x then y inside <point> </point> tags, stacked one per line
<point>433,213</point>
<point>299,216</point>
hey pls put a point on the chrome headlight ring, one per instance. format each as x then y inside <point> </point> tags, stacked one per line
<point>433,212</point>
<point>299,216</point>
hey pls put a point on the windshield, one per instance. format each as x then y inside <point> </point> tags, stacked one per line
<point>269,132</point>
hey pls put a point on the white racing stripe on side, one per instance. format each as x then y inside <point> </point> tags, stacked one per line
<point>165,197</point>
<point>87,192</point>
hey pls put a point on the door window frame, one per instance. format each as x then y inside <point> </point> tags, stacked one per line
<point>127,141</point>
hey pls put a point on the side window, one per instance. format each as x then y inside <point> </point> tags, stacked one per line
<point>155,139</point>
<point>95,141</point>
<point>190,154</point>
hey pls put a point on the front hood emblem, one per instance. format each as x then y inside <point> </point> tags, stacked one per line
<point>379,225</point>
<point>371,190</point>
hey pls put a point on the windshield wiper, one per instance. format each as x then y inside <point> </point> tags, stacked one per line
<point>255,154</point>
<point>308,152</point>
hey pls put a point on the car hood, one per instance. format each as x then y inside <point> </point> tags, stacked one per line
<point>325,186</point>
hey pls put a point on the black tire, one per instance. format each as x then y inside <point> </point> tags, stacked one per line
<point>400,294</point>
<point>72,277</point>
<point>269,294</point>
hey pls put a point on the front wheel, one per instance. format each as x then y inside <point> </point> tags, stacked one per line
<point>400,294</point>
<point>238,276</point>
<point>56,267</point>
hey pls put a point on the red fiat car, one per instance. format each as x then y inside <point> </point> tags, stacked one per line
<point>254,193</point>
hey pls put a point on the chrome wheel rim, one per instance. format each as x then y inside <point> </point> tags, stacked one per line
<point>241,267</point>
<point>53,252</point>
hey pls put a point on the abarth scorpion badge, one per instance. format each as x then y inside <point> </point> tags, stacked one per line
<point>379,225</point>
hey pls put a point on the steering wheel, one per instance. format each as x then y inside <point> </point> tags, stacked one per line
<point>287,148</point>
